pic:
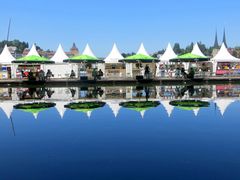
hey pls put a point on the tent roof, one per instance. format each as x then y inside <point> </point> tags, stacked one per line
<point>141,55</point>
<point>33,57</point>
<point>223,104</point>
<point>33,51</point>
<point>6,57</point>
<point>169,108</point>
<point>114,56</point>
<point>7,107</point>
<point>196,50</point>
<point>168,54</point>
<point>88,51</point>
<point>114,106</point>
<point>60,55</point>
<point>60,108</point>
<point>223,55</point>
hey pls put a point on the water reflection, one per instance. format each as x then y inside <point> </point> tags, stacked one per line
<point>116,98</point>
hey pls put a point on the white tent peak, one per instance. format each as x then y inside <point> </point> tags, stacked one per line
<point>196,50</point>
<point>223,104</point>
<point>60,108</point>
<point>6,57</point>
<point>223,55</point>
<point>89,113</point>
<point>142,113</point>
<point>33,51</point>
<point>168,54</point>
<point>114,55</point>
<point>169,108</point>
<point>196,111</point>
<point>35,115</point>
<point>59,55</point>
<point>7,107</point>
<point>88,51</point>
<point>142,50</point>
<point>114,106</point>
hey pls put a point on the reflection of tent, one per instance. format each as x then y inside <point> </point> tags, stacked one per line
<point>114,106</point>
<point>114,55</point>
<point>34,108</point>
<point>33,57</point>
<point>223,104</point>
<point>60,55</point>
<point>190,105</point>
<point>6,57</point>
<point>7,107</point>
<point>140,106</point>
<point>60,108</point>
<point>141,56</point>
<point>169,108</point>
<point>85,107</point>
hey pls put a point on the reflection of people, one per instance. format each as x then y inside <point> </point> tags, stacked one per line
<point>72,75</point>
<point>49,74</point>
<point>100,74</point>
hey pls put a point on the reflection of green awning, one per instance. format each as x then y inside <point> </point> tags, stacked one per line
<point>33,59</point>
<point>139,105</point>
<point>189,57</point>
<point>83,58</point>
<point>139,57</point>
<point>34,108</point>
<point>85,106</point>
<point>189,104</point>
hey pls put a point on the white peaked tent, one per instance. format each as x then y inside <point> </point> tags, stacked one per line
<point>114,106</point>
<point>60,108</point>
<point>223,55</point>
<point>33,51</point>
<point>6,57</point>
<point>88,51</point>
<point>223,104</point>
<point>60,55</point>
<point>168,54</point>
<point>169,108</point>
<point>7,107</point>
<point>196,50</point>
<point>142,50</point>
<point>114,55</point>
<point>89,113</point>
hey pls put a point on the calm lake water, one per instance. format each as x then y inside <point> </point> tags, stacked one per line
<point>194,133</point>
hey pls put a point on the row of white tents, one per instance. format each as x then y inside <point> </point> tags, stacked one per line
<point>114,56</point>
<point>222,104</point>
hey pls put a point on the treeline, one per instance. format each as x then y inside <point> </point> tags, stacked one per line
<point>20,45</point>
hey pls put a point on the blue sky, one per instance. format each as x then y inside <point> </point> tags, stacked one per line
<point>126,22</point>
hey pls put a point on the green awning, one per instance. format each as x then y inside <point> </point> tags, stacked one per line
<point>34,108</point>
<point>189,57</point>
<point>83,58</point>
<point>139,58</point>
<point>85,106</point>
<point>33,59</point>
<point>140,105</point>
<point>189,104</point>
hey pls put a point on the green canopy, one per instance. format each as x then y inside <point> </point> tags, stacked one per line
<point>140,105</point>
<point>139,58</point>
<point>189,104</point>
<point>34,108</point>
<point>85,106</point>
<point>83,58</point>
<point>189,57</point>
<point>33,59</point>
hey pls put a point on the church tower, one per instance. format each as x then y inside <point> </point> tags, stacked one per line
<point>224,38</point>
<point>74,50</point>
<point>216,45</point>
